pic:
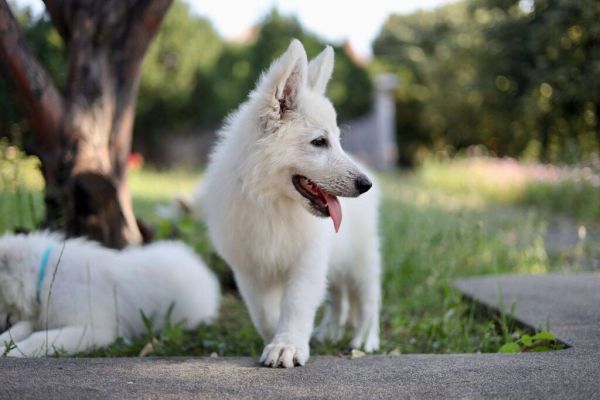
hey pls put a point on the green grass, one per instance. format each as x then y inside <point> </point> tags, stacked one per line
<point>430,238</point>
<point>21,185</point>
<point>570,191</point>
<point>150,187</point>
<point>432,233</point>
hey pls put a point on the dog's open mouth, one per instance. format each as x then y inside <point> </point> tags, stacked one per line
<point>322,202</point>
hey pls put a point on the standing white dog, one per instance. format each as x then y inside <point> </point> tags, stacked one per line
<point>279,164</point>
<point>73,295</point>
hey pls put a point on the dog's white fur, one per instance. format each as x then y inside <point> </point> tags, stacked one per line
<point>97,293</point>
<point>282,255</point>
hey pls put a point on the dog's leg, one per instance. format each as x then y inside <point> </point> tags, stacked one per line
<point>335,316</point>
<point>18,331</point>
<point>263,302</point>
<point>302,295</point>
<point>365,304</point>
<point>367,330</point>
<point>69,340</point>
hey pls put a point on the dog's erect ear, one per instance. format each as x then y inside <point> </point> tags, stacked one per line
<point>320,69</point>
<point>287,76</point>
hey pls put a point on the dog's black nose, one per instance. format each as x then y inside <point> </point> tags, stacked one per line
<point>362,184</point>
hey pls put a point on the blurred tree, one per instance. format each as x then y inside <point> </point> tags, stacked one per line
<point>83,136</point>
<point>189,65</point>
<point>47,44</point>
<point>185,47</point>
<point>434,74</point>
<point>563,96</point>
<point>520,77</point>
<point>241,64</point>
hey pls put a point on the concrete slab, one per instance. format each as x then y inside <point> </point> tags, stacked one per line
<point>520,376</point>
<point>569,302</point>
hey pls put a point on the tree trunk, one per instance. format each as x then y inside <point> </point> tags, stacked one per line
<point>83,137</point>
<point>597,110</point>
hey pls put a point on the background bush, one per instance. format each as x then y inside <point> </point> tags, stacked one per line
<point>191,77</point>
<point>520,77</point>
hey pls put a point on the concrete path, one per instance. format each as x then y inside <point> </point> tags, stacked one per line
<point>570,303</point>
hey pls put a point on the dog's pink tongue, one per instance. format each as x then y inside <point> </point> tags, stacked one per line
<point>335,210</point>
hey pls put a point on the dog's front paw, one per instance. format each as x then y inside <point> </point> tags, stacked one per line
<point>284,355</point>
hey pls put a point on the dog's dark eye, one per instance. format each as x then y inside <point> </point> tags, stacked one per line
<point>319,142</point>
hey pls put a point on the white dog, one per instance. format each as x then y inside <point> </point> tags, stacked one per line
<point>278,167</point>
<point>73,295</point>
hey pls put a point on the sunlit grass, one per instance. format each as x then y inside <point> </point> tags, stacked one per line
<point>430,237</point>
<point>442,222</point>
<point>21,185</point>
<point>571,191</point>
<point>155,185</point>
<point>150,187</point>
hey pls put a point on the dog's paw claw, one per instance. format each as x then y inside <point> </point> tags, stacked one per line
<point>283,355</point>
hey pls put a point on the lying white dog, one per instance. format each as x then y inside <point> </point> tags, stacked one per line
<point>277,168</point>
<point>72,295</point>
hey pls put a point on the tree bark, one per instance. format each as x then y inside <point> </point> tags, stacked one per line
<point>84,135</point>
<point>597,110</point>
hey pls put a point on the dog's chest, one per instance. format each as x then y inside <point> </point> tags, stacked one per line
<point>270,239</point>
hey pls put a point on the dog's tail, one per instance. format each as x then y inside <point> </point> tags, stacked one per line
<point>180,275</point>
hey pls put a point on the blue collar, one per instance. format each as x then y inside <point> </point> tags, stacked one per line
<point>42,272</point>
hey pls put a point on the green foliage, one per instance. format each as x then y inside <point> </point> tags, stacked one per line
<point>427,243</point>
<point>572,191</point>
<point>431,235</point>
<point>489,72</point>
<point>222,88</point>
<point>21,203</point>
<point>191,78</point>
<point>509,348</point>
<point>8,347</point>
<point>430,238</point>
<point>185,47</point>
<point>541,341</point>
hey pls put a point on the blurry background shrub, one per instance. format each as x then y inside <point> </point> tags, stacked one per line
<point>191,77</point>
<point>521,77</point>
